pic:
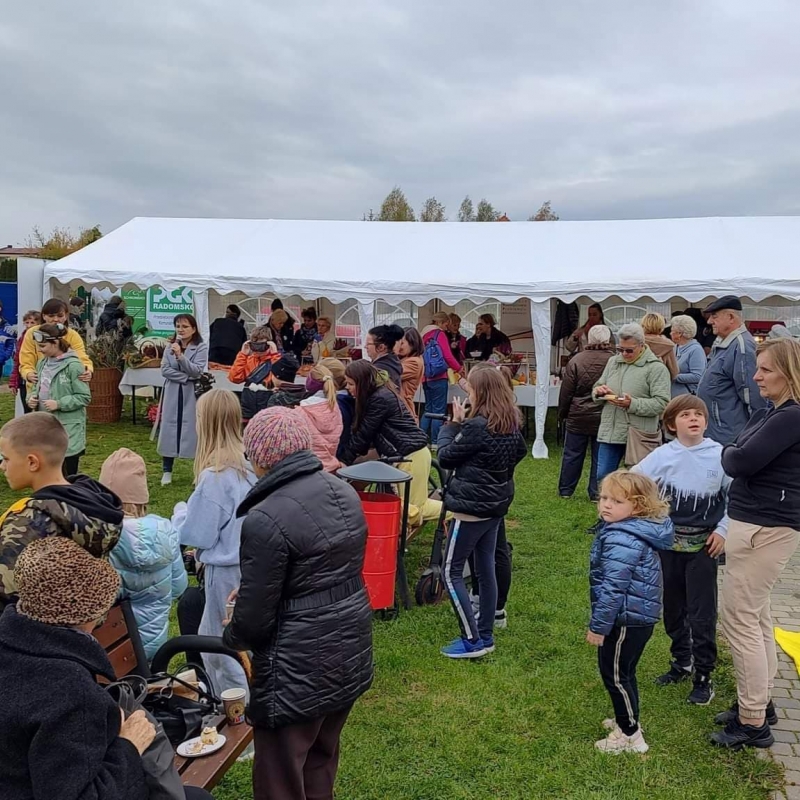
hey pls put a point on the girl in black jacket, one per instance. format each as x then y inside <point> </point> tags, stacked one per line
<point>382,421</point>
<point>483,447</point>
<point>301,608</point>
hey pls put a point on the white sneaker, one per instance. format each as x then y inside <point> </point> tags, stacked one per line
<point>617,742</point>
<point>500,619</point>
<point>166,479</point>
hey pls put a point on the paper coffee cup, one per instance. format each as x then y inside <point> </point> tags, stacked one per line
<point>233,702</point>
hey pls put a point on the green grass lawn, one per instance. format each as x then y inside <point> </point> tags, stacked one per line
<point>520,723</point>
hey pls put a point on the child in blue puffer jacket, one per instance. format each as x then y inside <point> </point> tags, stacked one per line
<point>625,580</point>
<point>148,554</point>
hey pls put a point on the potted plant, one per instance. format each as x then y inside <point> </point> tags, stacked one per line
<point>108,352</point>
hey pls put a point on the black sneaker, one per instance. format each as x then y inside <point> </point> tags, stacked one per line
<point>735,736</point>
<point>703,691</point>
<point>676,674</point>
<point>724,717</point>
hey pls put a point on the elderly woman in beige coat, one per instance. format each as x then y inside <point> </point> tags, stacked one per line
<point>634,390</point>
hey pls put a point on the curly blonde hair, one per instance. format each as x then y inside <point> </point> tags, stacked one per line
<point>639,490</point>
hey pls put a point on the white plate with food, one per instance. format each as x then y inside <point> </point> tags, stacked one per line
<point>202,745</point>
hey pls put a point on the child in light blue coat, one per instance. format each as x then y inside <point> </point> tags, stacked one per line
<point>148,555</point>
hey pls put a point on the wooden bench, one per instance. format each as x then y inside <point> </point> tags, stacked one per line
<point>120,638</point>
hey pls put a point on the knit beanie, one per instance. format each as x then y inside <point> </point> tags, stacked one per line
<point>59,583</point>
<point>125,473</point>
<point>275,433</point>
<point>285,369</point>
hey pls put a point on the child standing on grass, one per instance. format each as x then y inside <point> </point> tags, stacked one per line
<point>148,555</point>
<point>209,523</point>
<point>482,446</point>
<point>60,390</point>
<point>689,474</point>
<point>16,383</point>
<point>625,582</point>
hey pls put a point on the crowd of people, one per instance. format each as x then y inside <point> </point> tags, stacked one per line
<point>711,446</point>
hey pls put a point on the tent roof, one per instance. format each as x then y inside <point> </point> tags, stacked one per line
<point>756,257</point>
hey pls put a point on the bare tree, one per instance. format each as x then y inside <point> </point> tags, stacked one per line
<point>396,208</point>
<point>432,211</point>
<point>369,217</point>
<point>544,214</point>
<point>466,212</point>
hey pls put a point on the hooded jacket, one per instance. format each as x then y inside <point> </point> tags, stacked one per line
<point>765,467</point>
<point>390,364</point>
<point>59,729</point>
<point>692,480</point>
<point>71,394</point>
<point>647,381</point>
<point>575,404</point>
<point>29,355</point>
<point>483,463</point>
<point>625,573</point>
<point>665,350</point>
<point>325,424</point>
<point>109,318</point>
<point>302,607</point>
<point>387,426</point>
<point>85,511</point>
<point>149,561</point>
<point>728,388</point>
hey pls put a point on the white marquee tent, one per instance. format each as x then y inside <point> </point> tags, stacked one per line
<point>755,257</point>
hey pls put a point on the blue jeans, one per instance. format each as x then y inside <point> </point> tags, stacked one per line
<point>575,446</point>
<point>609,457</point>
<point>167,463</point>
<point>463,539</point>
<point>435,403</point>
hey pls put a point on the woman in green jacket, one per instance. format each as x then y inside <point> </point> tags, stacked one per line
<point>634,390</point>
<point>60,391</point>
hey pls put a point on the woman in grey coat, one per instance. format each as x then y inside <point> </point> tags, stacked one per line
<point>691,356</point>
<point>185,360</point>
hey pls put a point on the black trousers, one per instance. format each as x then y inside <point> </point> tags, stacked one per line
<point>502,567</point>
<point>196,793</point>
<point>617,658</point>
<point>71,465</point>
<point>690,608</point>
<point>575,447</point>
<point>190,612</point>
<point>298,762</point>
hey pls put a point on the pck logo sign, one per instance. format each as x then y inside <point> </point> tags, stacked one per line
<point>171,300</point>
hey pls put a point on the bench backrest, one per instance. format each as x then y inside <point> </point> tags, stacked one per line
<point>120,638</point>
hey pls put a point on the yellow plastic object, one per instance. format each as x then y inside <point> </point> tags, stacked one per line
<point>790,644</point>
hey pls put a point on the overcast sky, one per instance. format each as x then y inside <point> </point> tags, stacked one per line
<point>315,109</point>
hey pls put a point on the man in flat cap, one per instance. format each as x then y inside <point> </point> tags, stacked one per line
<point>727,386</point>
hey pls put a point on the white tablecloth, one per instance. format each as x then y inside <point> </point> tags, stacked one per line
<point>153,377</point>
<point>526,395</point>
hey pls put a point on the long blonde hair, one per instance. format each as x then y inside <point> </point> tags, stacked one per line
<point>219,433</point>
<point>319,372</point>
<point>336,369</point>
<point>786,360</point>
<point>641,491</point>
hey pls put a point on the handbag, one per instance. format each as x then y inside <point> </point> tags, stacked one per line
<point>163,780</point>
<point>640,445</point>
<point>203,384</point>
<point>181,717</point>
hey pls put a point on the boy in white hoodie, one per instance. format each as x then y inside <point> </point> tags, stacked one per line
<point>689,474</point>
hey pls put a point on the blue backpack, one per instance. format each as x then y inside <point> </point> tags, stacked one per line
<point>433,357</point>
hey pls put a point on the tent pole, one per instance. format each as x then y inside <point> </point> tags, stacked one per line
<point>541,326</point>
<point>366,319</point>
<point>201,313</point>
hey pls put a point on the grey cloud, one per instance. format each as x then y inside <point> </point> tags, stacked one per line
<point>316,109</point>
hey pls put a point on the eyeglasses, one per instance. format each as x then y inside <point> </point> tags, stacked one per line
<point>628,351</point>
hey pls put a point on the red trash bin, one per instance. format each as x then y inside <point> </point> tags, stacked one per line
<point>382,511</point>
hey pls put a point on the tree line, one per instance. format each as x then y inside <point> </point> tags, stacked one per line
<point>396,208</point>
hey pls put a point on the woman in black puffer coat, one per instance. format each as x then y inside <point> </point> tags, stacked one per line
<point>301,608</point>
<point>382,420</point>
<point>483,449</point>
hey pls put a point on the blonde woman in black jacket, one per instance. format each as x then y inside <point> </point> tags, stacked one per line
<point>483,447</point>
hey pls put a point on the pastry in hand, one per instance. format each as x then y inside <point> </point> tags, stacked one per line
<point>209,736</point>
